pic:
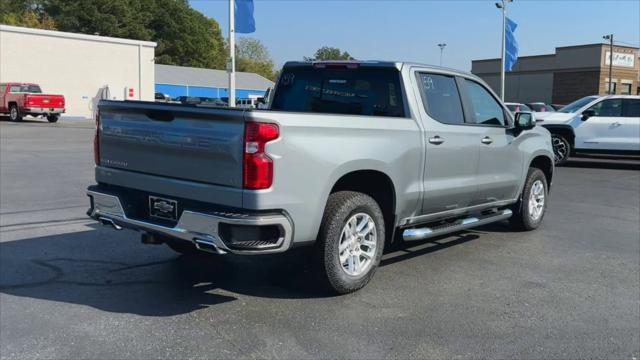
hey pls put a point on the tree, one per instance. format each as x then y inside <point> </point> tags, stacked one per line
<point>329,53</point>
<point>253,56</point>
<point>26,13</point>
<point>185,36</point>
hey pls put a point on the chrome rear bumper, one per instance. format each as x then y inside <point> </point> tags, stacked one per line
<point>43,110</point>
<point>199,228</point>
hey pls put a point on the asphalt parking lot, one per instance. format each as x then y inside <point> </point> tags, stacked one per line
<point>72,289</point>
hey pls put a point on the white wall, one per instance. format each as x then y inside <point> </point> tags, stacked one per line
<point>76,65</point>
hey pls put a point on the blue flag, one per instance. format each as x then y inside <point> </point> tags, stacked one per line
<point>511,47</point>
<point>245,23</point>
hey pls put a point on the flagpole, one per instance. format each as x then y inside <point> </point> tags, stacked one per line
<point>504,35</point>
<point>231,66</point>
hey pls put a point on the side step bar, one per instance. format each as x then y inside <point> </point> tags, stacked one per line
<point>429,232</point>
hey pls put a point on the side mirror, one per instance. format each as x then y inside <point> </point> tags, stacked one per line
<point>525,120</point>
<point>587,114</point>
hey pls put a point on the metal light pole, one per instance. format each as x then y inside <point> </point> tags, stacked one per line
<point>231,65</point>
<point>503,5</point>
<point>441,46</point>
<point>610,38</point>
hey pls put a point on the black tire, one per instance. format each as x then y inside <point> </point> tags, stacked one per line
<point>183,247</point>
<point>522,218</point>
<point>14,113</point>
<point>561,149</point>
<point>341,207</point>
<point>53,118</point>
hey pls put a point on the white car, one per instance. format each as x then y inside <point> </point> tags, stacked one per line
<point>596,124</point>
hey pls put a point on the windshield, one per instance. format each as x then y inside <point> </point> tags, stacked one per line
<point>577,105</point>
<point>374,92</point>
<point>25,88</point>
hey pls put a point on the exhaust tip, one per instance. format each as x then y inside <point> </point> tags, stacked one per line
<point>208,246</point>
<point>108,222</point>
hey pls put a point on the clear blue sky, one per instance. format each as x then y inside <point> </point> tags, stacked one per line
<point>410,29</point>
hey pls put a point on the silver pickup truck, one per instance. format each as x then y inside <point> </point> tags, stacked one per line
<point>350,156</point>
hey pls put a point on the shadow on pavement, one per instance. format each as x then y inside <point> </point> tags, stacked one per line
<point>116,273</point>
<point>112,271</point>
<point>27,120</point>
<point>618,164</point>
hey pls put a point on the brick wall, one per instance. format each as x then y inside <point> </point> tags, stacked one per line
<point>570,86</point>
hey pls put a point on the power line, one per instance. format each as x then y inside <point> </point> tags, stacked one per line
<point>626,43</point>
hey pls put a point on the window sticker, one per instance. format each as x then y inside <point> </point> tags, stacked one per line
<point>287,79</point>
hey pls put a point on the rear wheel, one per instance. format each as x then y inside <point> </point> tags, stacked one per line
<point>14,113</point>
<point>53,118</point>
<point>561,148</point>
<point>351,240</point>
<point>530,209</point>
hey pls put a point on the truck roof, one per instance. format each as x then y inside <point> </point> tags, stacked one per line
<point>379,64</point>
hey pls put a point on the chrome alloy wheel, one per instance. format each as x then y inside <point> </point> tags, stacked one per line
<point>560,148</point>
<point>536,200</point>
<point>358,243</point>
<point>14,113</point>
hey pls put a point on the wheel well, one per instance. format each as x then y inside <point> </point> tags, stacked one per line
<point>565,132</point>
<point>546,165</point>
<point>375,184</point>
<point>13,103</point>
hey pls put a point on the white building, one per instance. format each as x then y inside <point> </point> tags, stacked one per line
<point>80,67</point>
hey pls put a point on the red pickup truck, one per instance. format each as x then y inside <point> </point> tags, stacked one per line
<point>20,99</point>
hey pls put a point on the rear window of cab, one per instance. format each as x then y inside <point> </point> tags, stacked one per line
<point>349,91</point>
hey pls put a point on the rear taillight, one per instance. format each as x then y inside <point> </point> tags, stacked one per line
<point>96,140</point>
<point>257,166</point>
<point>27,101</point>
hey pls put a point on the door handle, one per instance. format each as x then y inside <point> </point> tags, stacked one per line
<point>436,140</point>
<point>616,124</point>
<point>486,140</point>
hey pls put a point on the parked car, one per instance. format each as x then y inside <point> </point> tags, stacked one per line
<point>596,124</point>
<point>247,103</point>
<point>160,97</point>
<point>517,107</point>
<point>541,107</point>
<point>350,157</point>
<point>20,99</point>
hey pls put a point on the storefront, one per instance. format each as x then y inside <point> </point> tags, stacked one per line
<point>569,74</point>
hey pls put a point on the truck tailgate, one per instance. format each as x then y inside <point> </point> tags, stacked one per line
<point>44,100</point>
<point>173,140</point>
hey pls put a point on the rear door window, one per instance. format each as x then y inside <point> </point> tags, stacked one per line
<point>352,91</point>
<point>441,98</point>
<point>631,108</point>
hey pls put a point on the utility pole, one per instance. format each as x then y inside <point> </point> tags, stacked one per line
<point>441,46</point>
<point>503,5</point>
<point>231,65</point>
<point>610,82</point>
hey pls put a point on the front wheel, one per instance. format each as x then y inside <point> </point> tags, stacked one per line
<point>529,210</point>
<point>351,240</point>
<point>561,148</point>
